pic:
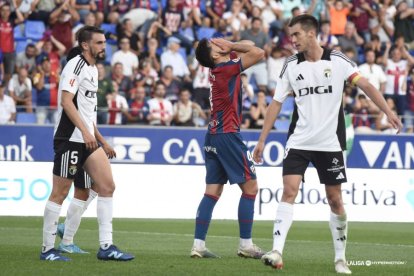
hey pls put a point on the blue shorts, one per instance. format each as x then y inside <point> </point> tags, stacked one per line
<point>227,159</point>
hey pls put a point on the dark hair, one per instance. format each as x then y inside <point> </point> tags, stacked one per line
<point>85,34</point>
<point>203,53</point>
<point>75,51</point>
<point>256,19</point>
<point>306,21</point>
<point>367,50</point>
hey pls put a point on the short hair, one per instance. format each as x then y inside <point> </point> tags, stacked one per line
<point>85,33</point>
<point>256,19</point>
<point>203,54</point>
<point>306,21</point>
<point>367,50</point>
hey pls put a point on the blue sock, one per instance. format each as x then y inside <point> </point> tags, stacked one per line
<point>204,212</point>
<point>246,213</point>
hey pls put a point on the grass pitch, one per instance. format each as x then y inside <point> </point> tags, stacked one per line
<point>162,247</point>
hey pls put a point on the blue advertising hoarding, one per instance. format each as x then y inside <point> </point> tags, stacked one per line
<point>184,146</point>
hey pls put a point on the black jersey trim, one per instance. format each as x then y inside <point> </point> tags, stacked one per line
<point>344,57</point>
<point>79,67</point>
<point>289,59</point>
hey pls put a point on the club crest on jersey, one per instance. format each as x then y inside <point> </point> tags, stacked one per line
<point>73,169</point>
<point>327,73</point>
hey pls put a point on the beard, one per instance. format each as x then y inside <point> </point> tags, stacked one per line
<point>100,56</point>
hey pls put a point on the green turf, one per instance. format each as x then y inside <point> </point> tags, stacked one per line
<point>162,248</point>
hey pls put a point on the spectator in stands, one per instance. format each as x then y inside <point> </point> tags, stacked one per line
<point>146,77</point>
<point>271,15</point>
<point>151,54</point>
<point>373,72</point>
<point>173,58</point>
<point>409,110</point>
<point>378,48</point>
<point>90,20</point>
<point>348,99</point>
<point>160,109</point>
<point>7,107</point>
<point>138,111</point>
<point>186,112</point>
<point>52,48</point>
<point>223,32</point>
<point>84,7</point>
<point>46,85</point>
<point>363,117</point>
<point>338,12</point>
<point>27,59</point>
<point>62,20</point>
<point>317,8</point>
<point>247,92</point>
<point>261,40</point>
<point>105,89</point>
<point>275,64</point>
<point>8,21</point>
<point>403,23</point>
<point>351,39</point>
<point>215,10</point>
<point>20,89</point>
<point>201,85</point>
<point>26,7</point>
<point>361,12</point>
<point>1,68</point>
<point>117,9</point>
<point>383,24</point>
<point>396,69</point>
<point>191,10</point>
<point>124,82</point>
<point>128,59</point>
<point>41,10</point>
<point>326,39</point>
<point>258,110</point>
<point>117,107</point>
<point>171,84</point>
<point>381,121</point>
<point>126,29</point>
<point>172,18</point>
<point>236,19</point>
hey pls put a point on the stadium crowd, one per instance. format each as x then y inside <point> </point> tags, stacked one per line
<point>151,77</point>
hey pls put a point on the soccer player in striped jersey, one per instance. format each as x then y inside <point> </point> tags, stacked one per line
<point>76,147</point>
<point>227,157</point>
<point>316,76</point>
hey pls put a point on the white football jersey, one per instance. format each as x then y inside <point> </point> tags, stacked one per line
<point>318,119</point>
<point>81,79</point>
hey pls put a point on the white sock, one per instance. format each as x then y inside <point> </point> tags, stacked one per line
<point>73,219</point>
<point>199,244</point>
<point>245,243</point>
<point>92,195</point>
<point>104,213</point>
<point>50,222</point>
<point>283,221</point>
<point>339,230</point>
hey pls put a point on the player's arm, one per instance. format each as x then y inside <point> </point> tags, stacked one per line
<point>270,118</point>
<point>379,100</point>
<point>110,152</point>
<point>248,53</point>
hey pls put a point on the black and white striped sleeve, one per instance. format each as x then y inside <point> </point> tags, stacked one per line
<point>71,75</point>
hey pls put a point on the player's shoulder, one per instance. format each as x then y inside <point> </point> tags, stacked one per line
<point>337,56</point>
<point>289,62</point>
<point>76,64</point>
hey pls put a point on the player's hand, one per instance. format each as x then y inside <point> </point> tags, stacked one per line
<point>395,122</point>
<point>90,141</point>
<point>110,152</point>
<point>257,153</point>
<point>224,45</point>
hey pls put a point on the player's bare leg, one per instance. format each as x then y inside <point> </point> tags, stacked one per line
<point>203,218</point>
<point>283,221</point>
<point>99,169</point>
<point>247,248</point>
<point>339,226</point>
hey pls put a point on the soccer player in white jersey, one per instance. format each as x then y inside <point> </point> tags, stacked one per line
<point>76,147</point>
<point>317,131</point>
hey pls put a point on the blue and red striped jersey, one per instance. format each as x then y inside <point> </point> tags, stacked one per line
<point>226,97</point>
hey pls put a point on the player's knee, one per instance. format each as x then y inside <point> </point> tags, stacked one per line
<point>59,195</point>
<point>250,187</point>
<point>289,194</point>
<point>107,190</point>
<point>335,202</point>
<point>81,194</point>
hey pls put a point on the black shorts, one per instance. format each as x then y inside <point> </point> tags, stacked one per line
<point>82,180</point>
<point>330,165</point>
<point>69,159</point>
